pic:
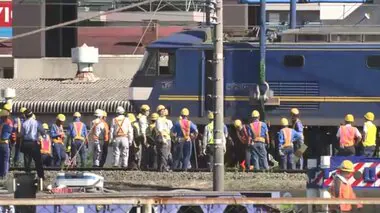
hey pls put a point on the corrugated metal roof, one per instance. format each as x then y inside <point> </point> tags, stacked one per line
<point>68,96</point>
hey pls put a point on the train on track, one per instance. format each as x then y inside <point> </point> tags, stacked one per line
<point>325,72</point>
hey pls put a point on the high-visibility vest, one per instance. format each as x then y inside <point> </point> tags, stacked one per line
<point>59,129</point>
<point>287,132</point>
<point>120,132</point>
<point>106,131</point>
<point>256,130</point>
<point>345,191</point>
<point>185,127</point>
<point>370,139</point>
<point>166,131</point>
<point>347,135</point>
<point>210,129</point>
<point>136,129</point>
<point>92,134</point>
<point>78,130</point>
<point>46,145</point>
<point>242,135</point>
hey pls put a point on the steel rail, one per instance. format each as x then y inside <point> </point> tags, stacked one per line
<point>191,201</point>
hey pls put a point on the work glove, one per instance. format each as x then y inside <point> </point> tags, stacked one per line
<point>68,149</point>
<point>204,152</point>
<point>281,152</point>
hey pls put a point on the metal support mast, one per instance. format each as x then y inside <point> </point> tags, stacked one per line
<point>218,167</point>
<point>293,14</point>
<point>263,42</point>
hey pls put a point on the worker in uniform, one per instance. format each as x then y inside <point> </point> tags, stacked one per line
<point>121,137</point>
<point>106,143</point>
<point>286,138</point>
<point>29,143</point>
<point>298,127</point>
<point>150,161</point>
<point>6,127</point>
<point>184,131</point>
<point>46,147</point>
<point>143,118</point>
<point>341,188</point>
<point>97,137</point>
<point>258,132</point>
<point>348,137</point>
<point>163,139</point>
<point>78,139</point>
<point>8,108</point>
<point>242,136</point>
<point>369,135</point>
<point>208,143</point>
<point>17,128</point>
<point>135,150</point>
<point>170,156</point>
<point>58,137</point>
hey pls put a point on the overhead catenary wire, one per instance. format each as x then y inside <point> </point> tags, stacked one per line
<point>75,21</point>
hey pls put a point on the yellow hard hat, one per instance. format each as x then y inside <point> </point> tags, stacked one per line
<point>154,116</point>
<point>369,116</point>
<point>4,113</point>
<point>160,107</point>
<point>284,122</point>
<point>77,115</point>
<point>144,107</point>
<point>131,117</point>
<point>104,114</point>
<point>255,114</point>
<point>349,118</point>
<point>347,166</point>
<point>210,115</point>
<point>22,109</point>
<point>185,112</point>
<point>237,123</point>
<point>61,117</point>
<point>294,111</point>
<point>45,126</point>
<point>7,107</point>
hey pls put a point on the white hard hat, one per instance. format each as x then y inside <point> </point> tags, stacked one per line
<point>120,110</point>
<point>98,113</point>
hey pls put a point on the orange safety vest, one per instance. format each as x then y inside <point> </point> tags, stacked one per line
<point>242,135</point>
<point>78,130</point>
<point>347,135</point>
<point>345,191</point>
<point>256,129</point>
<point>185,127</point>
<point>59,139</point>
<point>119,130</point>
<point>106,131</point>
<point>92,134</point>
<point>46,145</point>
<point>287,136</point>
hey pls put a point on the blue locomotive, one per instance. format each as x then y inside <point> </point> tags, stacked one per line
<point>323,73</point>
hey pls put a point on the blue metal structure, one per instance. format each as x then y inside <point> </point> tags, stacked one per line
<point>324,80</point>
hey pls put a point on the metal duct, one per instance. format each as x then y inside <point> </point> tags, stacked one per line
<point>41,107</point>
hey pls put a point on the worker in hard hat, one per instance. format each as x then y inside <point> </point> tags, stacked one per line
<point>8,107</point>
<point>258,132</point>
<point>341,187</point>
<point>29,143</point>
<point>121,137</point>
<point>143,119</point>
<point>298,127</point>
<point>150,161</point>
<point>242,137</point>
<point>96,137</point>
<point>286,138</point>
<point>6,128</point>
<point>135,149</point>
<point>78,139</point>
<point>369,135</point>
<point>208,143</point>
<point>106,143</point>
<point>163,139</point>
<point>46,147</point>
<point>184,132</point>
<point>58,137</point>
<point>348,136</point>
<point>17,128</point>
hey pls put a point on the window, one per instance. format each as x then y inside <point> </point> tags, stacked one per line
<point>373,61</point>
<point>158,63</point>
<point>294,60</point>
<point>167,63</point>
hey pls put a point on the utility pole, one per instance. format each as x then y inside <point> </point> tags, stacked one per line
<point>293,14</point>
<point>263,42</point>
<point>218,167</point>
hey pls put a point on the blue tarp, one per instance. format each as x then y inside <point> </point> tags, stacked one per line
<point>181,39</point>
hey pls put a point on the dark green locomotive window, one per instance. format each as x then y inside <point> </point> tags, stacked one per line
<point>294,60</point>
<point>373,61</point>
